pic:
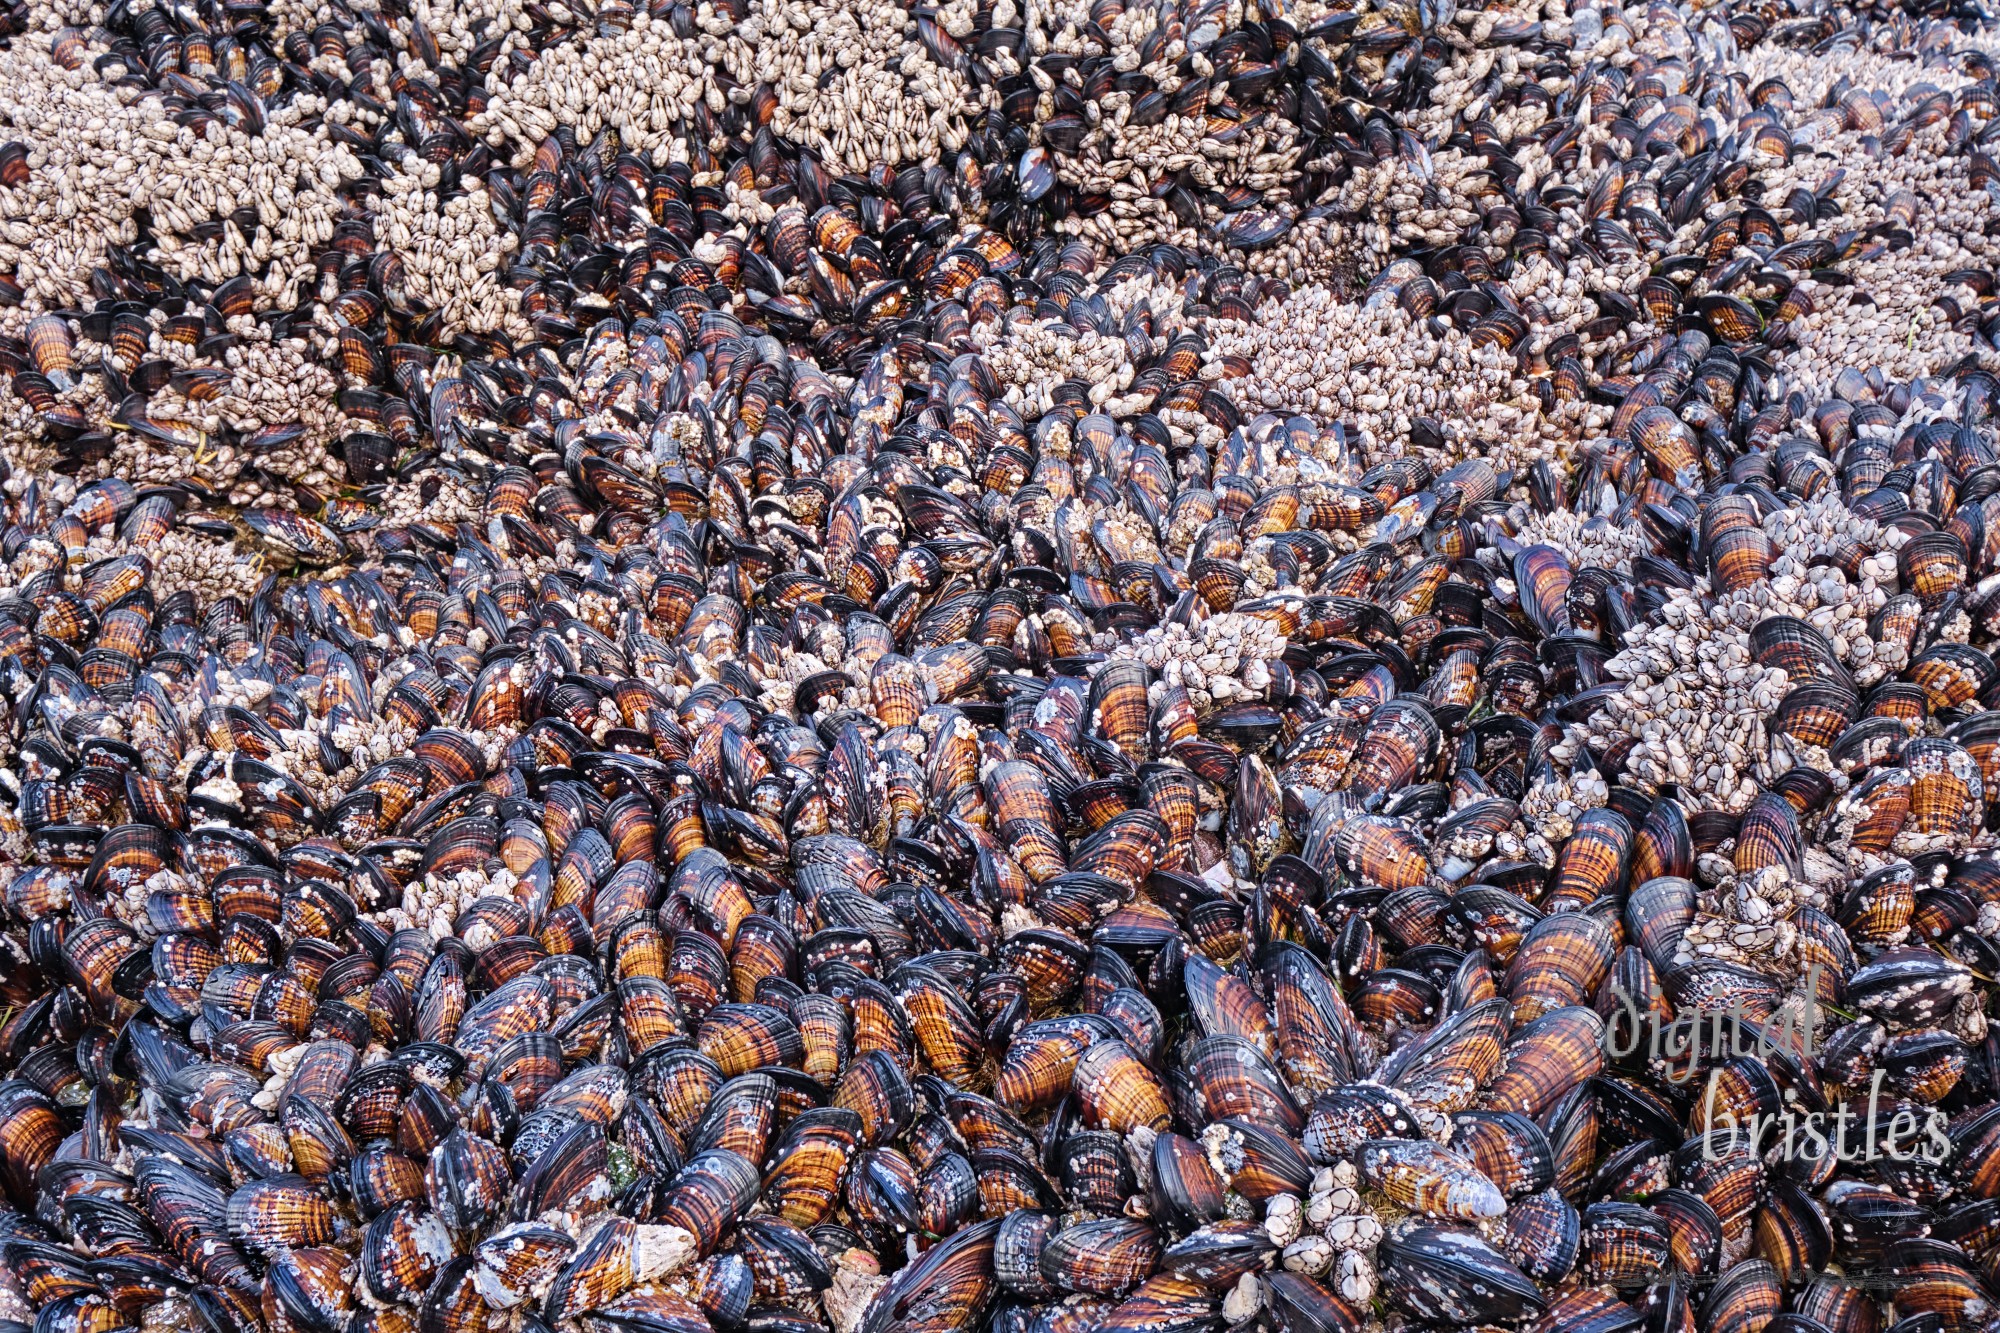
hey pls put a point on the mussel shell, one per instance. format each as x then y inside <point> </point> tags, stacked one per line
<point>1105,1257</point>
<point>1543,1235</point>
<point>1435,1272</point>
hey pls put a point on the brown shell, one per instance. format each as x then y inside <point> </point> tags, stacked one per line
<point>1561,962</point>
<point>1932,565</point>
<point>1118,706</point>
<point>1116,1091</point>
<point>1545,1059</point>
<point>1041,1060</point>
<point>1739,552</point>
<point>1593,863</point>
<point>1105,1256</point>
<point>1428,1179</point>
<point>1947,792</point>
<point>743,1037</point>
<point>1815,713</point>
<point>52,347</point>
